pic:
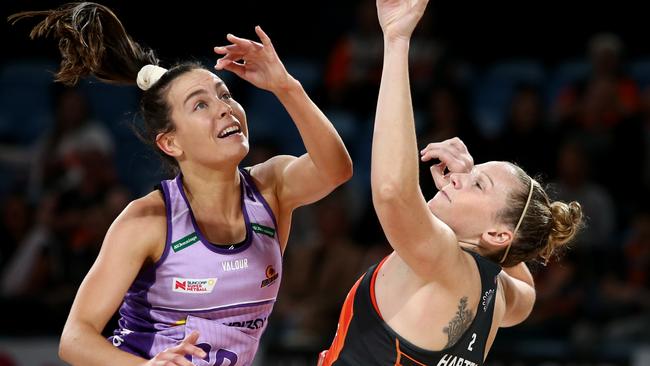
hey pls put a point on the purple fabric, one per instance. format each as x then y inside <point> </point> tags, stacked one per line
<point>227,295</point>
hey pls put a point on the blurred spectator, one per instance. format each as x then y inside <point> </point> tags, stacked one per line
<point>608,96</point>
<point>15,223</point>
<point>574,183</point>
<point>626,292</point>
<point>74,181</point>
<point>53,162</point>
<point>445,117</point>
<point>425,58</point>
<point>313,294</point>
<point>354,67</point>
<point>57,160</point>
<point>526,139</point>
<point>644,135</point>
<point>560,295</point>
<point>602,111</point>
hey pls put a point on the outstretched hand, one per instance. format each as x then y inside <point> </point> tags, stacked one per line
<point>398,18</point>
<point>255,62</point>
<point>453,156</point>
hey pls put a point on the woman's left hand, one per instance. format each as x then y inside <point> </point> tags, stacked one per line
<point>255,62</point>
<point>453,156</point>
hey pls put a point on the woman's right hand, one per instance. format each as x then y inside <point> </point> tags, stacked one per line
<point>175,356</point>
<point>398,18</point>
<point>260,64</point>
<point>453,156</point>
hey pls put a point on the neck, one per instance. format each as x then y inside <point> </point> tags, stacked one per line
<point>471,245</point>
<point>468,243</point>
<point>214,191</point>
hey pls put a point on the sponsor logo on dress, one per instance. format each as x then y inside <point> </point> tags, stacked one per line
<point>268,231</point>
<point>487,297</point>
<point>235,264</point>
<point>250,324</point>
<point>184,242</point>
<point>193,285</point>
<point>271,276</point>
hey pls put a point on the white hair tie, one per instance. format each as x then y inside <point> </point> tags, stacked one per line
<point>149,75</point>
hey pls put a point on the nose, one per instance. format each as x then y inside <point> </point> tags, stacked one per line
<point>224,109</point>
<point>456,180</point>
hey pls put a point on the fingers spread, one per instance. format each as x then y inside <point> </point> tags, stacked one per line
<point>266,41</point>
<point>231,48</point>
<point>246,44</point>
<point>237,68</point>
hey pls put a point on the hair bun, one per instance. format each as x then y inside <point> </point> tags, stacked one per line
<point>567,221</point>
<point>149,75</point>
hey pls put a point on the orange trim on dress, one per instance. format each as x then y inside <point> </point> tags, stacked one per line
<point>347,312</point>
<point>372,287</point>
<point>398,360</point>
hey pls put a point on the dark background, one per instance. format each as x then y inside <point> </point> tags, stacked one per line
<point>477,31</point>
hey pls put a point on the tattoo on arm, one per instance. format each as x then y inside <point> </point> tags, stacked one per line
<point>459,324</point>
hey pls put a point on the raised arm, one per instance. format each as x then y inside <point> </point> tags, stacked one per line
<point>422,241</point>
<point>327,163</point>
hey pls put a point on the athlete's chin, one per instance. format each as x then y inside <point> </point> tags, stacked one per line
<point>237,151</point>
<point>242,151</point>
<point>442,211</point>
<point>438,204</point>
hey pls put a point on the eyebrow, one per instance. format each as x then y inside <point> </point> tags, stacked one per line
<point>491,181</point>
<point>217,85</point>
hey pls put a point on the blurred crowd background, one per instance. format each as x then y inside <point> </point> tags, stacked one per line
<point>562,90</point>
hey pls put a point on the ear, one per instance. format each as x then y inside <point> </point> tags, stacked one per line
<point>497,238</point>
<point>166,141</point>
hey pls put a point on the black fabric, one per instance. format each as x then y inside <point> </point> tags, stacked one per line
<point>370,341</point>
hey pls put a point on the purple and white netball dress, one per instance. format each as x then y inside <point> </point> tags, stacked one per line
<point>225,294</point>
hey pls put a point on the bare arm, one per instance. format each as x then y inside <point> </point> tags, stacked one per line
<point>519,293</point>
<point>124,251</point>
<point>327,163</point>
<point>419,238</point>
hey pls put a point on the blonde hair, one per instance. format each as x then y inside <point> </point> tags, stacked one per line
<point>544,226</point>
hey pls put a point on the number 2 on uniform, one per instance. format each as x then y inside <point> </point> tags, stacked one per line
<point>472,342</point>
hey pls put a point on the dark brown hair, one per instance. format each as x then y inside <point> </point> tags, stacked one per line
<point>546,227</point>
<point>93,42</point>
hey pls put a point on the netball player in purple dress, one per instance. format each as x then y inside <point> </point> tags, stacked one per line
<point>195,266</point>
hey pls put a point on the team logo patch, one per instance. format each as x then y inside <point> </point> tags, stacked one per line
<point>193,285</point>
<point>271,276</point>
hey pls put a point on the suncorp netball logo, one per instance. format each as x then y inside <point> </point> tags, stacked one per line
<point>194,285</point>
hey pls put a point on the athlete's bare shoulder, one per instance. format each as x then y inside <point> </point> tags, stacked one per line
<point>143,225</point>
<point>150,206</point>
<point>269,172</point>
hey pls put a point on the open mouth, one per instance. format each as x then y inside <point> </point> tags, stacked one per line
<point>229,131</point>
